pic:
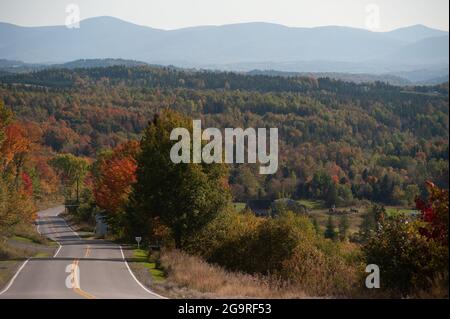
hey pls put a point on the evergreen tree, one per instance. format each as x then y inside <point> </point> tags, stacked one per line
<point>343,227</point>
<point>330,231</point>
<point>316,225</point>
<point>332,196</point>
<point>371,220</point>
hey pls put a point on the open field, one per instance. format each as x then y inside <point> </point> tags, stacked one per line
<point>318,210</point>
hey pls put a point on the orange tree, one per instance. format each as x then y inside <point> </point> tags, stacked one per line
<point>114,173</point>
<point>16,205</point>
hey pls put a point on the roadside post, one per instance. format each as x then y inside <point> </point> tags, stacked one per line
<point>138,240</point>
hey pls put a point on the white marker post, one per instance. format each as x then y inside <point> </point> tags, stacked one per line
<point>138,240</point>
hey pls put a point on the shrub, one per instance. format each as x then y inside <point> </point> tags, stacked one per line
<point>407,259</point>
<point>413,254</point>
<point>319,272</point>
<point>286,247</point>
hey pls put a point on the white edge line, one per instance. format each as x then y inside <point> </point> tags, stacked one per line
<point>56,253</point>
<point>134,277</point>
<point>26,261</point>
<point>71,229</point>
<point>14,277</point>
<point>37,226</point>
<point>39,231</point>
<point>126,263</point>
<point>123,257</point>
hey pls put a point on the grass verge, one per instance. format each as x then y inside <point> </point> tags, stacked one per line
<point>26,243</point>
<point>178,275</point>
<point>141,256</point>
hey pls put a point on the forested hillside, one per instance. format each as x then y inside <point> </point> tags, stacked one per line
<point>339,141</point>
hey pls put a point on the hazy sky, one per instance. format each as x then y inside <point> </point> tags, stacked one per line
<point>172,14</point>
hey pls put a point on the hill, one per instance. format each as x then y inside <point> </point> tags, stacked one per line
<point>245,46</point>
<point>375,141</point>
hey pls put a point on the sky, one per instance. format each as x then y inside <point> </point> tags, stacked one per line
<point>376,15</point>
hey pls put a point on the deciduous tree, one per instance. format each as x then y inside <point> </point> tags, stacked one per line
<point>185,197</point>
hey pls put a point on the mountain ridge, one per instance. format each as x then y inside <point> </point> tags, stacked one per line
<point>418,77</point>
<point>267,45</point>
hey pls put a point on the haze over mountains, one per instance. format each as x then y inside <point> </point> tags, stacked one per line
<point>416,53</point>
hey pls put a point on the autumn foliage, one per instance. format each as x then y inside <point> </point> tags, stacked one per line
<point>434,212</point>
<point>25,175</point>
<point>16,189</point>
<point>15,146</point>
<point>413,252</point>
<point>116,172</point>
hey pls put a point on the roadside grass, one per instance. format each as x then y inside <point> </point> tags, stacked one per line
<point>7,270</point>
<point>10,252</point>
<point>202,280</point>
<point>52,243</point>
<point>33,240</point>
<point>141,256</point>
<point>25,243</point>
<point>27,233</point>
<point>42,255</point>
<point>85,235</point>
<point>12,256</point>
<point>22,239</point>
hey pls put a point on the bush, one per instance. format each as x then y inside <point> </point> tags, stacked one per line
<point>319,272</point>
<point>286,247</point>
<point>413,254</point>
<point>407,259</point>
<point>226,240</point>
<point>276,240</point>
<point>15,208</point>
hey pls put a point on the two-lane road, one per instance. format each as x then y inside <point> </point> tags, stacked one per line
<point>80,268</point>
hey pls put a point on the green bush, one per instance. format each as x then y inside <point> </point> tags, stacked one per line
<point>408,260</point>
<point>286,247</point>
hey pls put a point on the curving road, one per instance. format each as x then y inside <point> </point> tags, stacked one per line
<point>80,268</point>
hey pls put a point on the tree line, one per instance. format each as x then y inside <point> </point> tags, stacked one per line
<point>340,142</point>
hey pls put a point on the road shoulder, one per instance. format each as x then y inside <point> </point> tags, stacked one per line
<point>17,249</point>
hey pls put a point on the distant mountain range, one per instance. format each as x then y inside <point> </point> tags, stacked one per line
<point>416,53</point>
<point>8,67</point>
<point>12,66</point>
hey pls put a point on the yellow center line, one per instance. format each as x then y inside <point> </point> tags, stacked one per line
<point>76,289</point>
<point>88,251</point>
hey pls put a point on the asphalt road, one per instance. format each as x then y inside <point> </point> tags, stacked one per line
<point>80,268</point>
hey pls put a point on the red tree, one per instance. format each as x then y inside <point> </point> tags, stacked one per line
<point>434,212</point>
<point>115,176</point>
<point>27,184</point>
